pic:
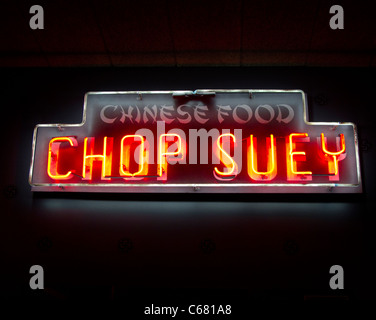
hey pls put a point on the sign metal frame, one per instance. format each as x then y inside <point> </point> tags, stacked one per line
<point>330,187</point>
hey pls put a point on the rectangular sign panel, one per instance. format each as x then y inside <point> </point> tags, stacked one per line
<point>245,141</point>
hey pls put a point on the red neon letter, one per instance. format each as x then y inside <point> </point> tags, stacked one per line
<point>143,154</point>
<point>106,158</point>
<point>53,156</point>
<point>333,165</point>
<point>292,173</point>
<point>271,160</point>
<point>232,167</point>
<point>162,165</point>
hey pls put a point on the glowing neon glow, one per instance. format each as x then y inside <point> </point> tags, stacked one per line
<point>53,157</point>
<point>271,160</point>
<point>202,141</point>
<point>142,169</point>
<point>232,167</point>
<point>292,172</point>
<point>106,158</point>
<point>163,153</point>
<point>333,166</point>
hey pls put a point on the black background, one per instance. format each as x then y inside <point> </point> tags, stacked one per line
<point>184,248</point>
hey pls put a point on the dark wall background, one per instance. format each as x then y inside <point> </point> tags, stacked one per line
<point>151,247</point>
<point>179,248</point>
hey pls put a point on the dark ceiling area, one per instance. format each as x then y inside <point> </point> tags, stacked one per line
<point>184,33</point>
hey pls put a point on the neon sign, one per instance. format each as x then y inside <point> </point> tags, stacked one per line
<point>248,141</point>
